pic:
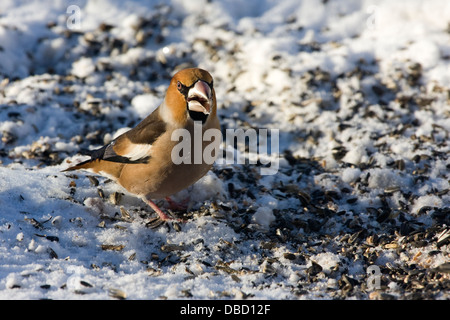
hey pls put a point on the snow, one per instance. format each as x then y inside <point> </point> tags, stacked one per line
<point>144,104</point>
<point>368,79</point>
<point>350,174</point>
<point>264,217</point>
<point>83,67</point>
<point>326,260</point>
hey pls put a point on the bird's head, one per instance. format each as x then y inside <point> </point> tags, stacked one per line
<point>191,96</point>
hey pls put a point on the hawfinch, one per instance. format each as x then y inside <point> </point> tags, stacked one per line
<point>144,161</point>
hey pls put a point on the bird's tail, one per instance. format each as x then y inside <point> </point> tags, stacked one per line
<point>88,164</point>
<point>108,169</point>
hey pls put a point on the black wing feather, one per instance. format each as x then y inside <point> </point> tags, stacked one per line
<point>107,153</point>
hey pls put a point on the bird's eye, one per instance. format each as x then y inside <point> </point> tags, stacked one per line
<point>179,85</point>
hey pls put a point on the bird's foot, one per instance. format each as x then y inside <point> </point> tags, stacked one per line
<point>162,216</point>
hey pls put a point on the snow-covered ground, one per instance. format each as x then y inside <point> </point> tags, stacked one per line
<point>359,207</point>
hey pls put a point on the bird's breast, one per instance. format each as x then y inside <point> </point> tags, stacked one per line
<point>178,160</point>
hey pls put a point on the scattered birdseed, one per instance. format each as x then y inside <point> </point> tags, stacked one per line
<point>361,194</point>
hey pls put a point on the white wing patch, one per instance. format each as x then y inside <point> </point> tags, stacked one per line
<point>138,151</point>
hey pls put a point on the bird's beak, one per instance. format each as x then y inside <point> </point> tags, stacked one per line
<point>200,98</point>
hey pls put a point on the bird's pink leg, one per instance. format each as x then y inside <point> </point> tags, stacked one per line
<point>173,205</point>
<point>162,215</point>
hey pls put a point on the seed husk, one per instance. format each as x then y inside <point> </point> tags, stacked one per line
<point>115,198</point>
<point>52,253</point>
<point>177,226</point>
<point>93,180</point>
<point>444,268</point>
<point>117,294</point>
<point>392,245</point>
<point>34,223</point>
<point>86,284</point>
<point>154,223</point>
<point>314,269</point>
<point>101,193</point>
<point>443,238</point>
<point>113,247</point>
<point>124,214</point>
<point>289,256</point>
<point>171,247</point>
<point>392,189</point>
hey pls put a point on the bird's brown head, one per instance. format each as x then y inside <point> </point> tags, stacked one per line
<point>191,95</point>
